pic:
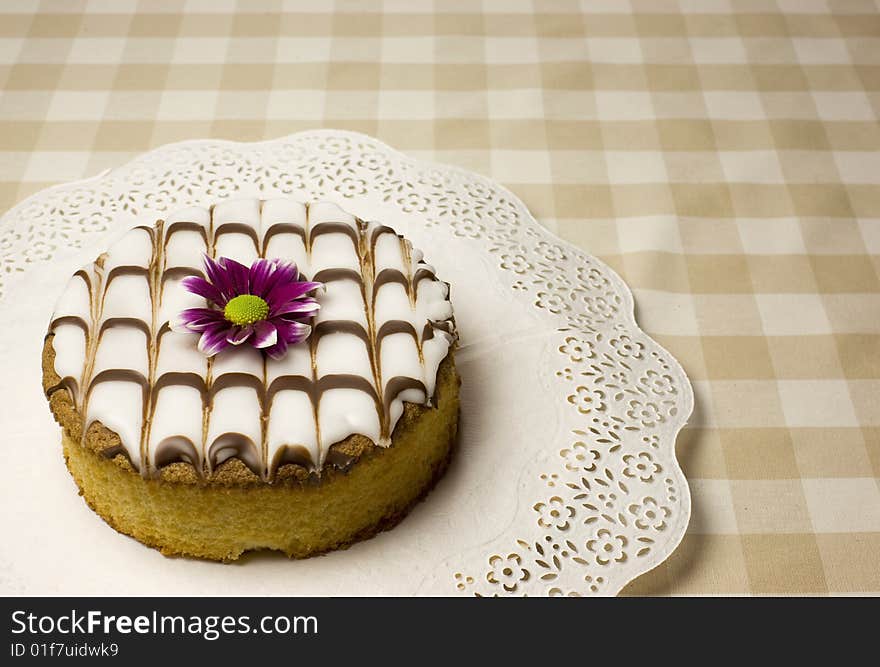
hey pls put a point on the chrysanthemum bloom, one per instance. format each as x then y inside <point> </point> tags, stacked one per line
<point>266,306</point>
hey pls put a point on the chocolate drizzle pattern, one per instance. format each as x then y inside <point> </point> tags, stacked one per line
<point>385,326</point>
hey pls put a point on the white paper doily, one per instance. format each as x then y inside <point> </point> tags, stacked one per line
<point>565,481</point>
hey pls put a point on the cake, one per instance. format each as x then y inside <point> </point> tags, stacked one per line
<point>303,433</point>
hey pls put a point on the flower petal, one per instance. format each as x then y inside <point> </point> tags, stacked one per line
<point>287,267</point>
<point>278,350</point>
<point>282,273</point>
<point>213,340</point>
<point>300,307</point>
<point>292,332</point>
<point>258,274</point>
<point>289,291</point>
<point>218,277</point>
<point>238,335</point>
<point>196,319</point>
<point>265,334</point>
<point>200,286</point>
<point>237,275</point>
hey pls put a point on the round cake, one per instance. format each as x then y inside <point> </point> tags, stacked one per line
<point>254,375</point>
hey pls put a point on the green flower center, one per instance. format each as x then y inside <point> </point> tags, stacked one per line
<point>246,309</point>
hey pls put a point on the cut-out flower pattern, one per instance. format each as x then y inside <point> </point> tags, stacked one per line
<point>550,251</point>
<point>577,350</point>
<point>641,466</point>
<point>627,347</point>
<point>552,301</point>
<point>587,400</point>
<point>516,263</point>
<point>594,278</point>
<point>646,413</point>
<point>507,572</point>
<point>658,384</point>
<point>554,514</point>
<point>504,215</point>
<point>412,203</point>
<point>649,514</point>
<point>607,547</point>
<point>373,162</point>
<point>601,307</point>
<point>159,201</point>
<point>351,187</point>
<point>468,227</point>
<point>221,187</point>
<point>580,457</point>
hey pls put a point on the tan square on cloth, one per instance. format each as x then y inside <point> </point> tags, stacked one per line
<point>722,157</point>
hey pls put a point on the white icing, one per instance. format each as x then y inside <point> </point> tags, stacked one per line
<point>342,353</point>
<point>179,353</point>
<point>391,301</point>
<point>240,359</point>
<point>177,417</point>
<point>297,361</point>
<point>388,253</point>
<point>128,296</point>
<point>289,246</point>
<point>334,251</point>
<point>236,410</point>
<point>133,249</point>
<point>197,214</point>
<point>346,411</point>
<point>182,247</point>
<point>122,347</point>
<point>119,407</point>
<point>70,351</point>
<point>176,299</point>
<point>342,300</point>
<point>292,421</point>
<point>215,407</point>
<point>75,299</point>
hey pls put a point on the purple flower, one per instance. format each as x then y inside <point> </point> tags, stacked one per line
<point>265,305</point>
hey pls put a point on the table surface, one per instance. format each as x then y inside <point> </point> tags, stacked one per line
<point>722,156</point>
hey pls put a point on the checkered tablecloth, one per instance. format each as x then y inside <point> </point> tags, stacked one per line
<point>722,155</point>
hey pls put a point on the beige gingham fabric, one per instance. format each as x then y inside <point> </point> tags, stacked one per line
<point>722,155</point>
